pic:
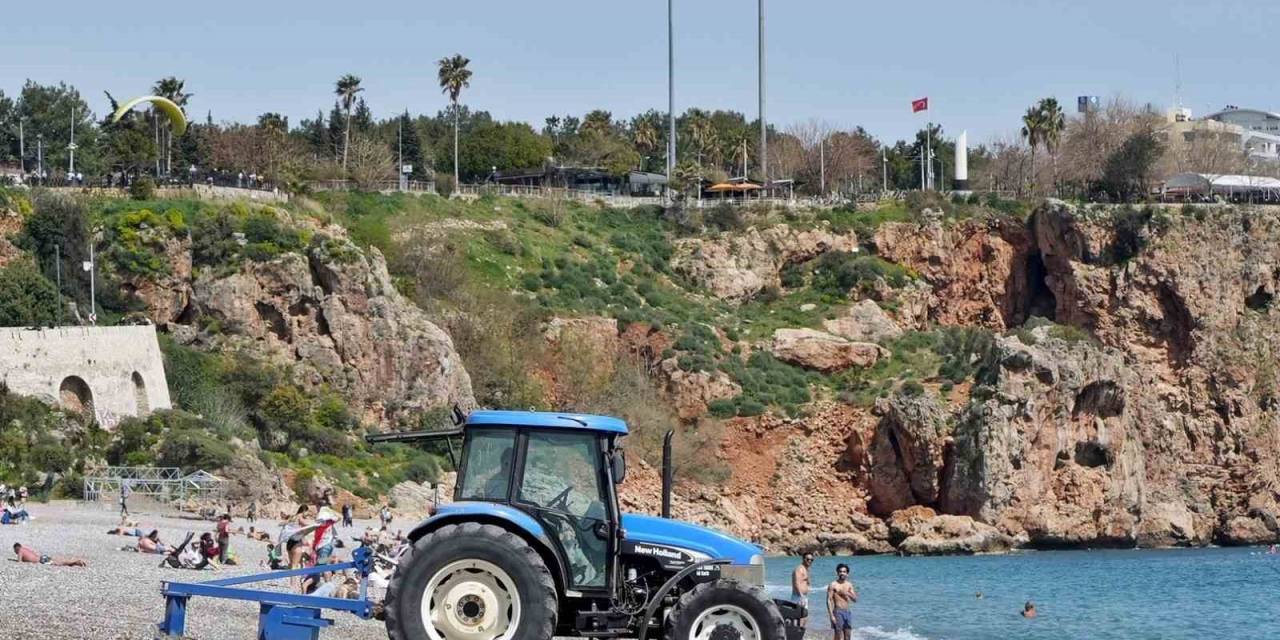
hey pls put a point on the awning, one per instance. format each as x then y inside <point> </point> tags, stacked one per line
<point>729,186</point>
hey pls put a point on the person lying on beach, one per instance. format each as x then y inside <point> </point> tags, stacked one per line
<point>260,536</point>
<point>132,532</point>
<point>1029,610</point>
<point>27,554</point>
<point>12,515</point>
<point>150,543</point>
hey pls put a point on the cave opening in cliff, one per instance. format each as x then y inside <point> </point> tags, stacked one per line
<point>1260,300</point>
<point>1039,299</point>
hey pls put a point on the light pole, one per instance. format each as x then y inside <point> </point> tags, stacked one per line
<point>671,94</point>
<point>40,156</point>
<point>71,148</point>
<point>22,146</point>
<point>884,167</point>
<point>822,165</point>
<point>764,128</point>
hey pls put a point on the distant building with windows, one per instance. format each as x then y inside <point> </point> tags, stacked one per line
<point>1259,130</point>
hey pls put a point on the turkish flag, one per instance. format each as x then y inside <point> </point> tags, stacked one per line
<point>919,105</point>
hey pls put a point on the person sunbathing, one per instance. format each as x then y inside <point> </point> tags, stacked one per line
<point>27,554</point>
<point>132,532</point>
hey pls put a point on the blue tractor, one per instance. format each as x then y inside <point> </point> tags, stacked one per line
<point>535,545</point>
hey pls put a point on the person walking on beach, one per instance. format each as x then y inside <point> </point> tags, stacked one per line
<point>840,595</point>
<point>346,516</point>
<point>125,491</point>
<point>253,511</point>
<point>801,584</point>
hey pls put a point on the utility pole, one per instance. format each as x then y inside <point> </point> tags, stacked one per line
<point>40,156</point>
<point>155,121</point>
<point>884,165</point>
<point>22,147</point>
<point>71,148</point>
<point>671,94</point>
<point>57,267</point>
<point>822,165</point>
<point>400,149</point>
<point>928,145</point>
<point>93,266</point>
<point>764,127</point>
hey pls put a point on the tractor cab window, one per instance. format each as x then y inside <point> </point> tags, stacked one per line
<point>562,480</point>
<point>487,468</point>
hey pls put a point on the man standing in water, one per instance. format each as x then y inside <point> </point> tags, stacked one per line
<point>801,585</point>
<point>841,594</point>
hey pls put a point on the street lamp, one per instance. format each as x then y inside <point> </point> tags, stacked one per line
<point>40,156</point>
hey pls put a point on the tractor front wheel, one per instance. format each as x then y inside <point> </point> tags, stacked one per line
<point>725,610</point>
<point>471,582</point>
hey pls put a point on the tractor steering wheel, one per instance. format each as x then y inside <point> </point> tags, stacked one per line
<point>561,501</point>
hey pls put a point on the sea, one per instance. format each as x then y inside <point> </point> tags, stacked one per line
<point>1190,594</point>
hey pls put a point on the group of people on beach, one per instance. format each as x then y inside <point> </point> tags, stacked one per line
<point>14,509</point>
<point>841,594</point>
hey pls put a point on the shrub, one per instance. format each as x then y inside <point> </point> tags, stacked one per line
<point>722,408</point>
<point>912,389</point>
<point>142,188</point>
<point>27,298</point>
<point>838,272</point>
<point>725,217</point>
<point>423,470</point>
<point>445,186</point>
<point>504,240</point>
<point>194,449</point>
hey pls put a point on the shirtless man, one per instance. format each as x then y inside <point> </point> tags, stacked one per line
<point>801,584</point>
<point>27,554</point>
<point>841,594</point>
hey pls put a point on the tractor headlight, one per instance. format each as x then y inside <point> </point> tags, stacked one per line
<point>752,573</point>
<point>757,559</point>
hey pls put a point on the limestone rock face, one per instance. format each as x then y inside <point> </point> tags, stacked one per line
<point>691,391</point>
<point>814,349</point>
<point>345,326</point>
<point>736,267</point>
<point>165,297</point>
<point>907,453</point>
<point>950,535</point>
<point>864,322</point>
<point>977,270</point>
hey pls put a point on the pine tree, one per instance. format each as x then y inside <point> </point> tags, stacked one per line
<point>362,117</point>
<point>336,129</point>
<point>412,146</point>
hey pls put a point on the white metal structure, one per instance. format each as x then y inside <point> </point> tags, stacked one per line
<point>1229,187</point>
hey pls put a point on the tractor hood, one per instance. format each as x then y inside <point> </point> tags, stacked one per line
<point>691,537</point>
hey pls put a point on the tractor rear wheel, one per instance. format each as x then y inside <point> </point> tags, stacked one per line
<point>471,582</point>
<point>725,610</point>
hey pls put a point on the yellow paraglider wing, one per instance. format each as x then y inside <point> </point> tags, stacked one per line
<point>173,111</point>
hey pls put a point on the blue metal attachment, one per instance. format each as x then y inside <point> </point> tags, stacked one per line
<point>282,616</point>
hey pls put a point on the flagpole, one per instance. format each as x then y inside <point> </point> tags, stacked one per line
<point>928,145</point>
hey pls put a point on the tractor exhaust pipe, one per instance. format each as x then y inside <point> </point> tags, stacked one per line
<point>667,474</point>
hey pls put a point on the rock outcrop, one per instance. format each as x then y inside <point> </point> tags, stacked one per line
<point>865,321</point>
<point>342,322</point>
<point>735,267</point>
<point>919,531</point>
<point>821,351</point>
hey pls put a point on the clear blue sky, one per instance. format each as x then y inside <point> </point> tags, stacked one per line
<point>848,62</point>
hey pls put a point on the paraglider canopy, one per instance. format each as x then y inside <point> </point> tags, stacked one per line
<point>173,111</point>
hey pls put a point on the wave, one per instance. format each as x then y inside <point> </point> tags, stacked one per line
<point>876,633</point>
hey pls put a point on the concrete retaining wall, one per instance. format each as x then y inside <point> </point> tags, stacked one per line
<point>112,371</point>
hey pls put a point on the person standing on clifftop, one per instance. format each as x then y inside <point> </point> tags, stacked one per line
<point>801,584</point>
<point>840,595</point>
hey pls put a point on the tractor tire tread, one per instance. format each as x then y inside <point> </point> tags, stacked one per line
<point>689,604</point>
<point>494,534</point>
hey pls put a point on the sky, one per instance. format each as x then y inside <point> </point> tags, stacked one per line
<point>843,62</point>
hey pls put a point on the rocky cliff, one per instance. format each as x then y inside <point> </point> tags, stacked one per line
<point>1128,397</point>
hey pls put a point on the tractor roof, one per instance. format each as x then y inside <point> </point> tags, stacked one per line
<point>547,420</point>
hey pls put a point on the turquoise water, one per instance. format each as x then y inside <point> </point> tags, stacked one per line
<point>1129,594</point>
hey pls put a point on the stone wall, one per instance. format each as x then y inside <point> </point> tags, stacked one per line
<point>112,371</point>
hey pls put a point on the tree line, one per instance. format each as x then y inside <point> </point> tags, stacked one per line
<point>1113,152</point>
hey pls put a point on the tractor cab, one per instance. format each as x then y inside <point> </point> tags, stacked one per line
<point>559,469</point>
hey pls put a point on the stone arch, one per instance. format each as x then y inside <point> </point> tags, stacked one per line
<point>74,395</point>
<point>141,406</point>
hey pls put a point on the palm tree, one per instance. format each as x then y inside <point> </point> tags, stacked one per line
<point>645,138</point>
<point>173,89</point>
<point>1033,131</point>
<point>454,76</point>
<point>347,88</point>
<point>1055,122</point>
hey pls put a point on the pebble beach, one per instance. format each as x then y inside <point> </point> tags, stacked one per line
<point>118,594</point>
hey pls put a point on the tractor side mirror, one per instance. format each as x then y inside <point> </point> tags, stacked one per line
<point>619,466</point>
